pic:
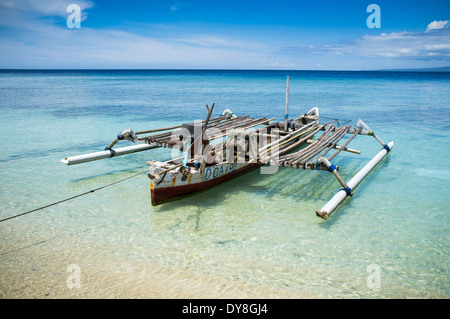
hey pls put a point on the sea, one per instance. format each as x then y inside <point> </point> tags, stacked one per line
<point>256,236</point>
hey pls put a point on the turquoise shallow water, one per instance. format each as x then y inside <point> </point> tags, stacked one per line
<point>255,236</point>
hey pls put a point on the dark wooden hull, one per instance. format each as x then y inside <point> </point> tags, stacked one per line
<point>162,195</point>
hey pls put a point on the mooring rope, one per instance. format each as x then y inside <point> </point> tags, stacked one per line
<point>336,120</point>
<point>73,197</point>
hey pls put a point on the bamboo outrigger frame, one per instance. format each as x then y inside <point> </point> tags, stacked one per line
<point>245,143</point>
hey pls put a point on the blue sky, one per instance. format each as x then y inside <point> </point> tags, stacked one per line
<point>230,34</point>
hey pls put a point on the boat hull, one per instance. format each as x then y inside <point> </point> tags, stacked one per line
<point>194,184</point>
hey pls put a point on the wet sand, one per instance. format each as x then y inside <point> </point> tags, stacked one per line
<point>39,271</point>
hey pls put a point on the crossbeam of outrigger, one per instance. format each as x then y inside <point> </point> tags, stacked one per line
<point>245,143</point>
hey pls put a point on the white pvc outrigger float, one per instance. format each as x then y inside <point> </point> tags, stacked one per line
<point>127,134</point>
<point>348,188</point>
<point>78,159</point>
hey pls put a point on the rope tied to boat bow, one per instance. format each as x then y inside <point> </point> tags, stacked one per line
<point>73,197</point>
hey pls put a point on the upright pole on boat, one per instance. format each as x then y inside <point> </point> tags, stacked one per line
<point>207,117</point>
<point>203,164</point>
<point>186,154</point>
<point>286,113</point>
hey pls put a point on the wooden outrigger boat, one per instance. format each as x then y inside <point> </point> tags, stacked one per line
<point>227,146</point>
<point>167,183</point>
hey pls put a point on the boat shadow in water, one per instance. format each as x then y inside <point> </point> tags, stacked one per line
<point>309,189</point>
<point>213,196</point>
<point>306,186</point>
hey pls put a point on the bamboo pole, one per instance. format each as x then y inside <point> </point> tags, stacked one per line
<point>286,113</point>
<point>313,149</point>
<point>294,145</point>
<point>334,142</point>
<point>202,167</point>
<point>293,156</point>
<point>218,118</point>
<point>307,128</point>
<point>247,126</point>
<point>342,148</point>
<point>168,135</point>
<point>352,131</point>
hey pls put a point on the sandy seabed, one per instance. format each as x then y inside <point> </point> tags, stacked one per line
<point>39,271</point>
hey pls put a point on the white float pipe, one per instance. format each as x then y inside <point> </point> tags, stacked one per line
<point>107,154</point>
<point>340,196</point>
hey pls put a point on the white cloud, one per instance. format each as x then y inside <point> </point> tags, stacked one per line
<point>405,45</point>
<point>278,65</point>
<point>436,25</point>
<point>34,41</point>
<point>50,46</point>
<point>23,13</point>
<point>48,7</point>
<point>204,40</point>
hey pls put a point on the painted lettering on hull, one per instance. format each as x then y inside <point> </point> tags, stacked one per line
<point>219,170</point>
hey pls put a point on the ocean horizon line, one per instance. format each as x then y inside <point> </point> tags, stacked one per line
<point>435,70</point>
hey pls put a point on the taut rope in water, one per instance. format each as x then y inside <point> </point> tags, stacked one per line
<point>73,197</point>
